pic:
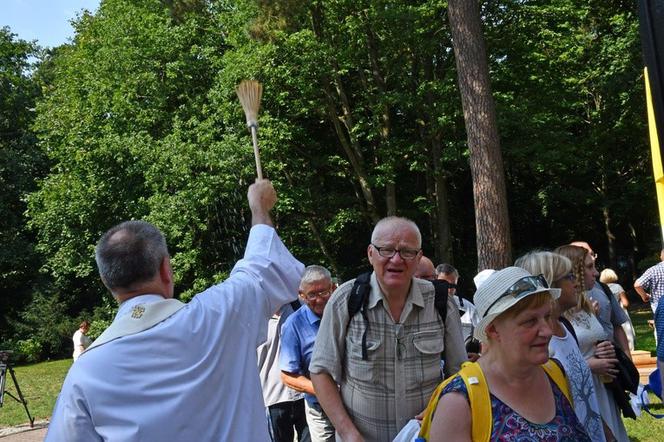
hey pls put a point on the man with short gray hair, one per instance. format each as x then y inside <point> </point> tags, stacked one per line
<point>165,370</point>
<point>375,369</point>
<point>298,335</point>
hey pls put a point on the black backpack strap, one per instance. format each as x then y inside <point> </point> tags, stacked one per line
<point>569,327</point>
<point>606,289</point>
<point>442,288</point>
<point>295,305</point>
<point>357,301</point>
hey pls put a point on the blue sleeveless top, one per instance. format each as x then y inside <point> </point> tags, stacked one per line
<point>508,425</point>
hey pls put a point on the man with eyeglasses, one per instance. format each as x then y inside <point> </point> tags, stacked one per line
<point>298,335</point>
<point>375,370</point>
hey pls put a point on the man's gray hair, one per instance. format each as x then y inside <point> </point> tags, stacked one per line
<point>129,254</point>
<point>396,220</point>
<point>447,269</point>
<point>314,273</point>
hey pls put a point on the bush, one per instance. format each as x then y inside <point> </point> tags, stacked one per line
<point>45,328</point>
<point>29,350</point>
<point>102,316</point>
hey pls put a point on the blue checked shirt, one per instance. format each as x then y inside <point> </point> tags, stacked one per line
<point>652,282</point>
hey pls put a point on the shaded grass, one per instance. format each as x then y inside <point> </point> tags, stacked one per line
<point>645,428</point>
<point>40,385</point>
<point>645,338</point>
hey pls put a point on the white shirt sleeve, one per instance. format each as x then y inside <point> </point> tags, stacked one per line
<point>271,265</point>
<point>266,278</point>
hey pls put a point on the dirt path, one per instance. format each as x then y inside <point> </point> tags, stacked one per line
<point>23,433</point>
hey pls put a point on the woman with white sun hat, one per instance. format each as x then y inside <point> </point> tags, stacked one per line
<point>513,389</point>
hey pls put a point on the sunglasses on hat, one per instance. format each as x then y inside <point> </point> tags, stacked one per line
<point>521,288</point>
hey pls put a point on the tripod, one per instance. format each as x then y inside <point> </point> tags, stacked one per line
<point>4,368</point>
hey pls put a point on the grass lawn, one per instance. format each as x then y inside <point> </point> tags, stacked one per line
<point>645,338</point>
<point>40,385</point>
<point>645,428</point>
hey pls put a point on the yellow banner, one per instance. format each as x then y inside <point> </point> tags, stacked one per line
<point>656,153</point>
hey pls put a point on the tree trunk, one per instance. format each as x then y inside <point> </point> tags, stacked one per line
<point>432,137</point>
<point>606,216</point>
<point>347,139</point>
<point>442,226</point>
<point>334,268</point>
<point>385,119</point>
<point>486,162</point>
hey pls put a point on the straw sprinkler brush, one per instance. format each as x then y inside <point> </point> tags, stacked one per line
<point>249,92</point>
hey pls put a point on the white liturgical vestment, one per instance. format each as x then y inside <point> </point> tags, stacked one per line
<point>192,376</point>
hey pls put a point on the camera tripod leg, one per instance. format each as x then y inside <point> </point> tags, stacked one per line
<point>22,399</point>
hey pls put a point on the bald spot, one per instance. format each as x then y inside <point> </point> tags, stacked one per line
<point>118,237</point>
<point>425,269</point>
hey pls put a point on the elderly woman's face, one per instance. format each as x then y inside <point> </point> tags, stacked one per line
<point>525,336</point>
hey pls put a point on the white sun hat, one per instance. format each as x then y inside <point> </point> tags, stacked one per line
<point>482,276</point>
<point>502,290</point>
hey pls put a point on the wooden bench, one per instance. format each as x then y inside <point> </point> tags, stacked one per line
<point>645,363</point>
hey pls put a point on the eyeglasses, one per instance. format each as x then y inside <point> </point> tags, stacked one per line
<point>523,287</point>
<point>389,252</point>
<point>570,277</point>
<point>313,295</point>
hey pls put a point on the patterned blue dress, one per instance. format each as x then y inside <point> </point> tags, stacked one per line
<point>508,425</point>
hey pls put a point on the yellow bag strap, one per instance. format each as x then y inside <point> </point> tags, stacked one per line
<point>558,376</point>
<point>479,399</point>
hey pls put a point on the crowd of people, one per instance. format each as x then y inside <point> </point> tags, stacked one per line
<point>279,352</point>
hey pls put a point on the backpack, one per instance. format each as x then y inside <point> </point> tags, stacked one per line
<point>359,298</point>
<point>295,305</point>
<point>479,399</point>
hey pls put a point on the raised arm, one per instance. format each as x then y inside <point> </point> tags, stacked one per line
<point>262,198</point>
<point>268,276</point>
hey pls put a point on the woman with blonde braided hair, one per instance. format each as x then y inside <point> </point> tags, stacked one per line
<point>599,353</point>
<point>577,256</point>
<point>563,347</point>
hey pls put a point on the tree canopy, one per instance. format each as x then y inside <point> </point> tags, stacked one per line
<point>361,117</point>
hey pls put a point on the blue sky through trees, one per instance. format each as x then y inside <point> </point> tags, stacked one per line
<point>47,21</point>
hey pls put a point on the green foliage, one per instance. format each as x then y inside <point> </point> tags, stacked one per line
<point>44,328</point>
<point>30,350</point>
<point>102,316</point>
<point>20,164</point>
<point>122,124</point>
<point>139,120</point>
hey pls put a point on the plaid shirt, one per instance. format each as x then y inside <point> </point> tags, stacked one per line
<point>403,368</point>
<point>652,282</point>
